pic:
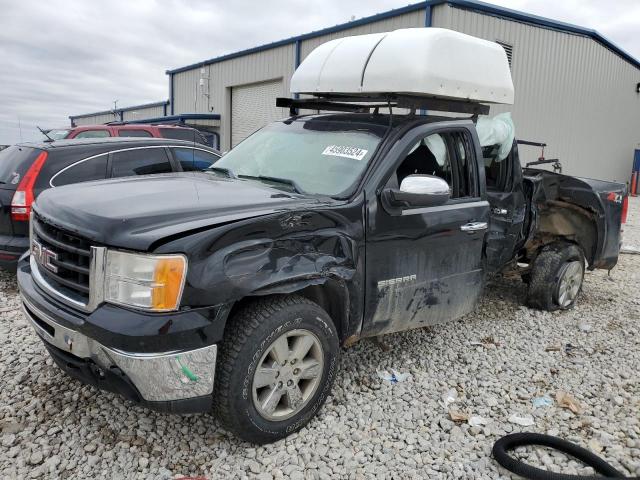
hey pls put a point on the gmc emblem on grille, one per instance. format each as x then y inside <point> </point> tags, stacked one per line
<point>44,256</point>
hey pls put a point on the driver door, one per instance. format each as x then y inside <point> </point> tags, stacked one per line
<point>425,265</point>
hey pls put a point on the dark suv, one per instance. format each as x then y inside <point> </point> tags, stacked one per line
<point>28,169</point>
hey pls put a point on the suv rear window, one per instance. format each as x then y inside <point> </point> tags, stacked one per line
<point>192,159</point>
<point>92,169</point>
<point>93,134</point>
<point>188,134</point>
<point>134,133</point>
<point>14,163</point>
<point>141,161</point>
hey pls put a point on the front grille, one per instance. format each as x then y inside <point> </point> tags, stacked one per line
<point>71,260</point>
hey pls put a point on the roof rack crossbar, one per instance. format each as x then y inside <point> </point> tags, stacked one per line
<point>363,103</point>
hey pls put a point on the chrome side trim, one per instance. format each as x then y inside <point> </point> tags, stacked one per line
<point>474,226</point>
<point>126,150</point>
<point>447,207</point>
<point>171,376</point>
<point>159,377</point>
<point>97,267</point>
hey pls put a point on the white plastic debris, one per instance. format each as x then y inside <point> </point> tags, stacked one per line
<point>393,377</point>
<point>542,402</point>
<point>450,397</point>
<point>585,327</point>
<point>522,420</point>
<point>476,421</point>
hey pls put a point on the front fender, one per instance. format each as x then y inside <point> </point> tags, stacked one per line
<point>275,254</point>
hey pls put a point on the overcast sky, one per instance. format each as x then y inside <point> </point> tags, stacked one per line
<point>64,57</point>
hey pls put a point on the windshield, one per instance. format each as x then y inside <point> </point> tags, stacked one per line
<point>316,156</point>
<point>58,134</point>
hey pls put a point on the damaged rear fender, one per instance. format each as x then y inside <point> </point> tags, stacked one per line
<point>565,221</point>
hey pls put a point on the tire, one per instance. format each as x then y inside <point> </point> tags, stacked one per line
<point>251,339</point>
<point>556,263</point>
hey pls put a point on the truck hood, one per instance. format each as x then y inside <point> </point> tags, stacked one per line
<point>136,212</point>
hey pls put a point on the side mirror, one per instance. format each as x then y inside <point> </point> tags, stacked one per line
<point>418,191</point>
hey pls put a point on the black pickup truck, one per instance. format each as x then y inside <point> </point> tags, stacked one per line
<point>234,289</point>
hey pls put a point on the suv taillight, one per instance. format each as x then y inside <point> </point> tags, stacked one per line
<point>625,209</point>
<point>23,197</point>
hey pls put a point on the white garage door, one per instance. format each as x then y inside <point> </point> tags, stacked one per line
<point>252,107</point>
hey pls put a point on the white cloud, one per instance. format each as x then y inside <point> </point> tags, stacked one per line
<point>62,57</point>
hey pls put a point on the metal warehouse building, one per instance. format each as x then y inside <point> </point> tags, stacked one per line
<point>575,90</point>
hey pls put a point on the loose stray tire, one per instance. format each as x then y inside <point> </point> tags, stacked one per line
<point>556,277</point>
<point>275,368</point>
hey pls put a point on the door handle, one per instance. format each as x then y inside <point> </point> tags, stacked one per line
<point>474,226</point>
<point>499,211</point>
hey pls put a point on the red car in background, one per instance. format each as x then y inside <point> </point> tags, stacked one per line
<point>139,130</point>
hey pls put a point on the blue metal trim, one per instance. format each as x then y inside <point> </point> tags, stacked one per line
<point>465,4</point>
<point>217,135</point>
<point>119,111</point>
<point>297,60</point>
<point>179,117</point>
<point>171,102</point>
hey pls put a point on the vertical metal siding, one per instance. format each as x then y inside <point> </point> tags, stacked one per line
<point>96,119</point>
<point>252,107</point>
<point>413,19</point>
<point>268,65</point>
<point>142,113</point>
<point>571,92</point>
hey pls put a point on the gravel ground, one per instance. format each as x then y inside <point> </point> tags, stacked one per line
<point>496,360</point>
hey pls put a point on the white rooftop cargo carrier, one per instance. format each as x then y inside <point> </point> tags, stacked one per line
<point>433,62</point>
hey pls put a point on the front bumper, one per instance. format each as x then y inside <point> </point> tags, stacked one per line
<point>176,380</point>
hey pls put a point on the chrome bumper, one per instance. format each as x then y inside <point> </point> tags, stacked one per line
<point>157,376</point>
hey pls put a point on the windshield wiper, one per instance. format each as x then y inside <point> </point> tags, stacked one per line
<point>227,171</point>
<point>286,181</point>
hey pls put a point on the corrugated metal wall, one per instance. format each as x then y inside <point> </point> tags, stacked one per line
<point>96,119</point>
<point>219,78</point>
<point>142,113</point>
<point>273,64</point>
<point>252,107</point>
<point>571,92</point>
<point>129,114</point>
<point>413,19</point>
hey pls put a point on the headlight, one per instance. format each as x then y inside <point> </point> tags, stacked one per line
<point>150,282</point>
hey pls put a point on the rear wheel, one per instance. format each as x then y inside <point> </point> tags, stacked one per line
<point>276,367</point>
<point>556,277</point>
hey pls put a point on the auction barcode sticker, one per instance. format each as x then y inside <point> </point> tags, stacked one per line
<point>343,151</point>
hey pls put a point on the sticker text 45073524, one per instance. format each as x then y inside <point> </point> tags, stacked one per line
<point>354,153</point>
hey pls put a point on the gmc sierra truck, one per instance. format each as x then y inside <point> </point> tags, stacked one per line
<point>234,289</point>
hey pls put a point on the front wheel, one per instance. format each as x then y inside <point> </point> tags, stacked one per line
<point>276,367</point>
<point>556,277</point>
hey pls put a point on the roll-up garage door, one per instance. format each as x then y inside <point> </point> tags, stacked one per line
<point>252,107</point>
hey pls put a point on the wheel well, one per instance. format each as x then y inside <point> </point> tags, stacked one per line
<point>331,296</point>
<point>561,223</point>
